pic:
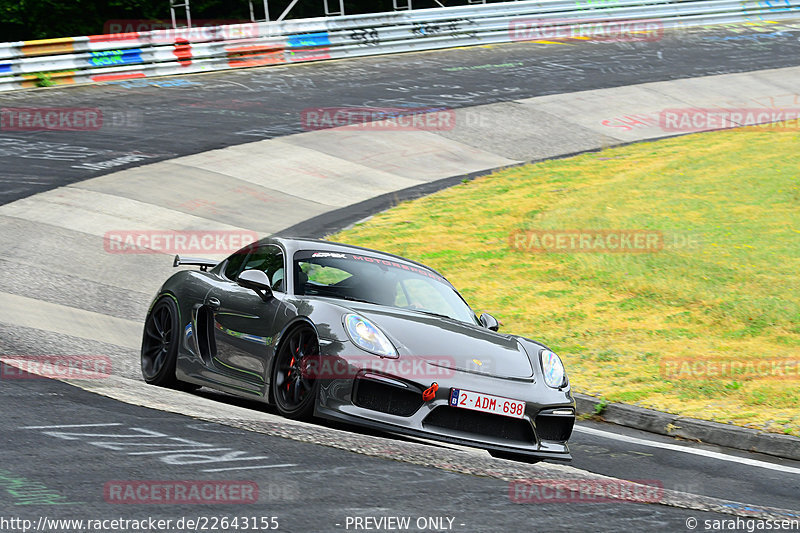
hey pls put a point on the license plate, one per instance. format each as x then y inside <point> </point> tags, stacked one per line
<point>486,403</point>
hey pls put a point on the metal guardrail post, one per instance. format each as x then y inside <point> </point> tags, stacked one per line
<point>331,13</point>
<point>253,14</point>
<point>288,10</point>
<point>174,4</point>
<point>399,7</point>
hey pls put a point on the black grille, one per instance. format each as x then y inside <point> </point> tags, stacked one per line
<point>554,427</point>
<point>483,424</point>
<point>387,398</point>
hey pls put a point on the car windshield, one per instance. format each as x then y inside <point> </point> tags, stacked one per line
<point>378,281</point>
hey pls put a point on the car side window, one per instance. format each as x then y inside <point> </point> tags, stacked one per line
<point>268,259</point>
<point>235,263</point>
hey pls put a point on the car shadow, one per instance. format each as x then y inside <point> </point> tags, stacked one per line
<point>223,397</point>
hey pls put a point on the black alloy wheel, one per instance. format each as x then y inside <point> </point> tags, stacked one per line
<point>294,388</point>
<point>160,344</point>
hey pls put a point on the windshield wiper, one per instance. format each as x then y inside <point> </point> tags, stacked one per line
<point>434,314</point>
<point>353,299</point>
<point>438,315</point>
<point>338,297</point>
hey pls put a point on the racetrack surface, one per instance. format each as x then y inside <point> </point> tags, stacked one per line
<point>67,295</point>
<point>157,119</point>
<point>308,487</point>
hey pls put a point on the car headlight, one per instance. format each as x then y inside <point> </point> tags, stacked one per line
<point>553,369</point>
<point>367,336</point>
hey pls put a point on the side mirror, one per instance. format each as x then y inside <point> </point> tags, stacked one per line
<point>257,281</point>
<point>490,322</point>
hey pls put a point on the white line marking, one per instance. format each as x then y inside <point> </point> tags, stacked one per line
<point>180,452</point>
<point>685,449</point>
<point>71,426</point>
<point>246,467</point>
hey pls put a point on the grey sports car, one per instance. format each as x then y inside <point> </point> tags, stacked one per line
<point>360,336</point>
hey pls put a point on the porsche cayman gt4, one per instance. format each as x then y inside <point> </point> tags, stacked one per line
<point>360,336</point>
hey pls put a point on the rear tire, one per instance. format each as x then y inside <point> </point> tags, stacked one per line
<point>160,344</point>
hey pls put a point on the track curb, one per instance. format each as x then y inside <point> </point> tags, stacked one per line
<point>706,431</point>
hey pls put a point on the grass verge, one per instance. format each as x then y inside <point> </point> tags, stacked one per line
<point>720,292</point>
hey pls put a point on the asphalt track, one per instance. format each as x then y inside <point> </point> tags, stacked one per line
<point>251,105</point>
<point>308,487</point>
<point>156,119</point>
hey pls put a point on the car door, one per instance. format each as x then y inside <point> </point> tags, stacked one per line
<point>243,322</point>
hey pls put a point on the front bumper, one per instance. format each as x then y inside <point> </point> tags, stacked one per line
<point>394,403</point>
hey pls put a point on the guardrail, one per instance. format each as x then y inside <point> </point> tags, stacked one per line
<point>98,58</point>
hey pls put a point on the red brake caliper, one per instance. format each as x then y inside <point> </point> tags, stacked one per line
<point>289,373</point>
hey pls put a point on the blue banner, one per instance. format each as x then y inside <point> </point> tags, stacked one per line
<point>309,39</point>
<point>106,58</point>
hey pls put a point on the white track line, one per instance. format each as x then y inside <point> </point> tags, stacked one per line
<point>247,467</point>
<point>72,426</point>
<point>686,449</point>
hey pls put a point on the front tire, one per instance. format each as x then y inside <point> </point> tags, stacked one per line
<point>160,344</point>
<point>294,389</point>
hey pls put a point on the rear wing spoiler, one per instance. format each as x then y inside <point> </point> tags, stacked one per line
<point>204,264</point>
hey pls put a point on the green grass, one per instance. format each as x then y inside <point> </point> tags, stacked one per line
<point>726,284</point>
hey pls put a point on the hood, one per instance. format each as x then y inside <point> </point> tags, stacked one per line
<point>449,342</point>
